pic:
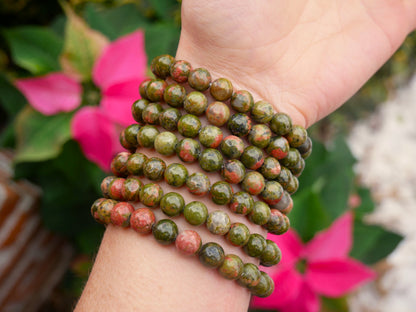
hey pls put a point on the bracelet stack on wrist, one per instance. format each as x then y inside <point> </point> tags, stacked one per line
<point>263,154</point>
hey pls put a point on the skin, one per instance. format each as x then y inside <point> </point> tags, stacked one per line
<point>304,57</point>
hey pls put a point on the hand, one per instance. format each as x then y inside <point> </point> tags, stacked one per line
<point>305,57</point>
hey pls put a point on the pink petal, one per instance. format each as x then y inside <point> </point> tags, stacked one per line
<point>306,301</point>
<point>335,242</point>
<point>51,94</point>
<point>96,134</point>
<point>337,277</point>
<point>124,59</point>
<point>291,246</point>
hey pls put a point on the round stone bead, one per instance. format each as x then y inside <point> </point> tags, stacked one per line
<point>233,171</point>
<point>293,185</point>
<point>103,211</point>
<point>131,189</point>
<point>252,157</point>
<point>188,150</point>
<point>241,203</point>
<point>189,126</point>
<point>135,164</point>
<point>174,95</point>
<point>297,136</point>
<point>260,214</point>
<point>278,223</point>
<point>271,254</point>
<point>217,113</point>
<point>260,136</point>
<point>172,204</point>
<point>105,185</point>
<point>264,288</point>
<point>284,177</point>
<point>305,149</point>
<point>232,267</point>
<point>211,160</point>
<point>165,143</point>
<point>115,190</point>
<point>165,231</point>
<point>270,168</point>
<point>232,147</point>
<point>272,192</point>
<point>151,194</point>
<point>199,79</point>
<point>210,136</point>
<point>137,109</point>
<point>198,183</point>
<point>255,245</point>
<point>130,133</point>
<point>160,65</point>
<point>250,276</point>
<point>151,113</point>
<point>285,205</point>
<point>211,255</point>
<point>143,88</point>
<point>155,90</point>
<point>119,164</point>
<point>221,89</point>
<point>238,234</point>
<point>195,103</point>
<point>291,159</point>
<point>281,124</point>
<point>195,213</point>
<point>298,168</point>
<point>242,101</point>
<point>154,169</point>
<point>253,183</point>
<point>120,214</point>
<point>124,142</point>
<point>142,220</point>
<point>147,135</point>
<point>278,147</point>
<point>262,112</point>
<point>169,119</point>
<point>239,124</point>
<point>94,208</point>
<point>179,71</point>
<point>188,242</point>
<point>218,222</point>
<point>221,192</point>
<point>176,175</point>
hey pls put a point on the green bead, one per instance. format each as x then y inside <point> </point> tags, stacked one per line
<point>188,150</point>
<point>278,223</point>
<point>233,171</point>
<point>278,147</point>
<point>160,65</point>
<point>298,168</point>
<point>154,169</point>
<point>143,88</point>
<point>281,124</point>
<point>260,214</point>
<point>94,209</point>
<point>165,231</point>
<point>250,276</point>
<point>195,103</point>
<point>271,255</point>
<point>151,194</point>
<point>252,157</point>
<point>169,119</point>
<point>218,222</point>
<point>155,90</point>
<point>241,203</point>
<point>172,204</point>
<point>137,109</point>
<point>217,113</point>
<point>103,211</point>
<point>131,189</point>
<point>119,164</point>
<point>105,185</point>
<point>165,143</point>
<point>285,205</point>
<point>126,144</point>
<point>210,160</point>
<point>291,159</point>
<point>210,136</point>
<point>176,175</point>
<point>147,135</point>
<point>264,288</point>
<point>151,113</point>
<point>198,184</point>
<point>297,136</point>
<point>238,234</point>
<point>253,183</point>
<point>293,185</point>
<point>175,95</point>
<point>239,124</point>
<point>260,136</point>
<point>195,213</point>
<point>306,148</point>
<point>262,112</point>
<point>130,134</point>
<point>255,245</point>
<point>272,192</point>
<point>270,168</point>
<point>232,267</point>
<point>211,255</point>
<point>242,101</point>
<point>221,89</point>
<point>284,177</point>
<point>221,192</point>
<point>199,79</point>
<point>232,147</point>
<point>189,126</point>
<point>179,71</point>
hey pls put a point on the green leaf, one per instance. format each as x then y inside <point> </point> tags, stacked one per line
<point>7,138</point>
<point>40,137</point>
<point>11,99</point>
<point>160,39</point>
<point>372,243</point>
<point>367,204</point>
<point>334,304</point>
<point>164,8</point>
<point>36,49</point>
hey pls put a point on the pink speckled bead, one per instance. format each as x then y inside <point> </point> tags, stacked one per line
<point>142,220</point>
<point>188,242</point>
<point>120,214</point>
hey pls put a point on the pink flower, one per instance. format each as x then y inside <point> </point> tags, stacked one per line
<point>321,267</point>
<point>118,72</point>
